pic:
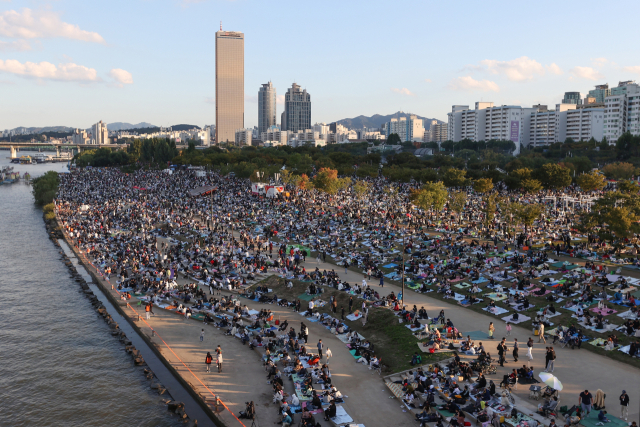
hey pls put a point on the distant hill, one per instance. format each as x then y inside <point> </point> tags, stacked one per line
<point>31,130</point>
<point>377,120</point>
<point>127,126</point>
<point>184,127</point>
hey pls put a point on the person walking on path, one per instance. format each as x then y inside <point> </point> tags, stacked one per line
<point>585,402</point>
<point>329,354</point>
<point>208,360</point>
<point>382,281</point>
<point>219,362</point>
<point>551,360</point>
<point>320,348</point>
<point>202,336</point>
<point>515,349</point>
<point>624,405</point>
<point>508,327</point>
<point>346,266</point>
<point>491,330</point>
<point>147,309</point>
<point>541,333</point>
<point>530,348</point>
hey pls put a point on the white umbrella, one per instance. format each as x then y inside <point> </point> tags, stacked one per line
<point>550,380</point>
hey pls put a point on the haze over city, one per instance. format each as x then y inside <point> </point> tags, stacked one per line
<point>62,63</point>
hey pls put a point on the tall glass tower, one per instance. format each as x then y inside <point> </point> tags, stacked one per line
<point>266,107</point>
<point>229,84</point>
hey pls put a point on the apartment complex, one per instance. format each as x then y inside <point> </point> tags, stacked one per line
<point>297,109</point>
<point>622,111</point>
<point>243,137</point>
<point>266,107</point>
<point>229,84</point>
<point>99,133</point>
<point>437,132</point>
<point>407,128</point>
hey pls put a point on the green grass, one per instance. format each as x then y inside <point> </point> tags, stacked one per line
<point>392,341</point>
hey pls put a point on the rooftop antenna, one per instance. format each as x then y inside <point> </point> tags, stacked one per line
<point>220,25</point>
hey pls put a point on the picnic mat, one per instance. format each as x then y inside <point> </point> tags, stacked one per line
<point>306,297</point>
<point>521,318</point>
<point>341,416</point>
<point>591,420</point>
<point>354,317</point>
<point>496,310</point>
<point>476,335</point>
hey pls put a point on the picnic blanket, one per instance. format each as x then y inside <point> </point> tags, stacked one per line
<point>353,316</point>
<point>341,416</point>
<point>521,318</point>
<point>496,310</point>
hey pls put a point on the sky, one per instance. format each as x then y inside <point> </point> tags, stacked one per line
<point>73,63</point>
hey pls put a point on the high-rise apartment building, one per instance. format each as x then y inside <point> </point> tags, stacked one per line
<point>297,109</point>
<point>243,137</point>
<point>266,107</point>
<point>622,111</point>
<point>437,132</point>
<point>100,134</point>
<point>229,84</point>
<point>572,98</point>
<point>408,128</point>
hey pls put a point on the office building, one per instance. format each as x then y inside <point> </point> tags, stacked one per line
<point>266,107</point>
<point>229,84</point>
<point>572,98</point>
<point>599,94</point>
<point>99,133</point>
<point>297,109</point>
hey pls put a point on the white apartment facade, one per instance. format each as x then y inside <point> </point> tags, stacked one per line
<point>99,133</point>
<point>244,137</point>
<point>622,111</point>
<point>408,128</point>
<point>579,124</point>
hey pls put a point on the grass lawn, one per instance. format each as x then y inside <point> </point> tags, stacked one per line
<point>392,341</point>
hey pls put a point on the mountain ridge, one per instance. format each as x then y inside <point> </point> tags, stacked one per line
<point>377,120</point>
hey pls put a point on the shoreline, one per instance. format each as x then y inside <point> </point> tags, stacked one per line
<point>56,231</point>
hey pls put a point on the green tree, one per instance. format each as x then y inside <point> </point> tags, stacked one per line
<point>453,177</point>
<point>555,176</point>
<point>626,186</point>
<point>361,188</point>
<point>432,195</point>
<point>591,181</point>
<point>394,139</point>
<point>327,180</point>
<point>45,188</point>
<point>489,207</point>
<point>619,170</point>
<point>528,213</point>
<point>483,185</point>
<point>531,185</point>
<point>457,202</point>
<point>614,217</point>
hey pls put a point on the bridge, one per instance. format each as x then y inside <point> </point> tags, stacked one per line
<point>14,147</point>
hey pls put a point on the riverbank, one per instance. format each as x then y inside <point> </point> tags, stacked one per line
<point>184,403</point>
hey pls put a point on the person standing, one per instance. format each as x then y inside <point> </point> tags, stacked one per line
<point>530,348</point>
<point>491,330</point>
<point>219,362</point>
<point>585,401</point>
<point>320,346</point>
<point>350,304</point>
<point>382,281</point>
<point>207,360</point>
<point>334,306</point>
<point>541,333</point>
<point>342,309</point>
<point>202,336</point>
<point>515,349</point>
<point>147,309</point>
<point>551,360</point>
<point>624,405</point>
<point>502,349</point>
<point>346,267</point>
<point>508,327</point>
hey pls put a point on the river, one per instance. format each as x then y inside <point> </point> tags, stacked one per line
<point>60,365</point>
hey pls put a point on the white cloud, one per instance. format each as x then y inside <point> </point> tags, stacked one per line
<point>210,100</point>
<point>251,98</point>
<point>403,91</point>
<point>633,69</point>
<point>517,70</point>
<point>48,71</point>
<point>469,84</point>
<point>42,24</point>
<point>427,80</point>
<point>280,99</point>
<point>122,77</point>
<point>599,62</point>
<point>554,69</point>
<point>586,73</point>
<point>16,46</point>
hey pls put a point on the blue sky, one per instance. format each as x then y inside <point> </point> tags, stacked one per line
<point>73,63</point>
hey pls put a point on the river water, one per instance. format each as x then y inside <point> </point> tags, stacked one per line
<point>58,362</point>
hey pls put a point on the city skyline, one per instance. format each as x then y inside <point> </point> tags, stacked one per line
<point>58,59</point>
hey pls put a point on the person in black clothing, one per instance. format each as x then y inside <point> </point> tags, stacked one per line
<point>330,412</point>
<point>502,349</point>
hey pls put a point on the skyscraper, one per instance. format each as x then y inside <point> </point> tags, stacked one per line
<point>229,84</point>
<point>297,109</point>
<point>572,98</point>
<point>266,107</point>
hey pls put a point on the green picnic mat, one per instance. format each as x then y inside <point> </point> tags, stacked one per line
<point>300,247</point>
<point>353,353</point>
<point>305,297</point>
<point>476,335</point>
<point>197,316</point>
<point>592,420</point>
<point>448,414</point>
